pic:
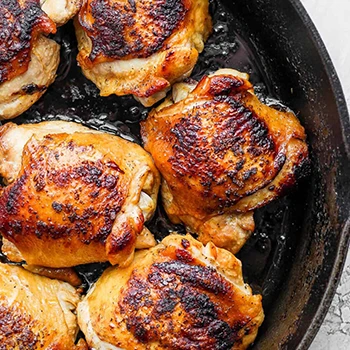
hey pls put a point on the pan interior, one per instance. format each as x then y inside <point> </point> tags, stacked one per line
<point>280,227</point>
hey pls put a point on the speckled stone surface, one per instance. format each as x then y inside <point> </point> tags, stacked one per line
<point>332,19</point>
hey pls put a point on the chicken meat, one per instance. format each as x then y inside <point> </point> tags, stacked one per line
<point>140,47</point>
<point>74,195</point>
<point>37,312</point>
<point>28,59</point>
<point>178,295</point>
<point>222,153</point>
<point>61,11</point>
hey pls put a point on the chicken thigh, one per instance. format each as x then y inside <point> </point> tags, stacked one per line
<point>36,312</point>
<point>140,47</point>
<point>222,153</point>
<point>74,195</point>
<point>178,295</point>
<point>28,59</point>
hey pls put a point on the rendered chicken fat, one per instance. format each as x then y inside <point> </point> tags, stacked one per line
<point>29,60</point>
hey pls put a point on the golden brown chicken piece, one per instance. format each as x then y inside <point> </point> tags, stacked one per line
<point>36,312</point>
<point>222,153</point>
<point>177,295</point>
<point>28,60</point>
<point>140,47</point>
<point>74,196</point>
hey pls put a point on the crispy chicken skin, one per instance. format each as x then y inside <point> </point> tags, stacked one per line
<point>74,196</point>
<point>22,22</point>
<point>222,153</point>
<point>177,295</point>
<point>28,60</point>
<point>36,312</point>
<point>140,47</point>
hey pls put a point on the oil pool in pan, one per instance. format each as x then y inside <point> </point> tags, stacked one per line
<point>266,256</point>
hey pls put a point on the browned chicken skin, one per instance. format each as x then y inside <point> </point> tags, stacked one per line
<point>178,295</point>
<point>36,312</point>
<point>74,196</point>
<point>140,47</point>
<point>28,59</point>
<point>222,153</point>
<point>21,22</point>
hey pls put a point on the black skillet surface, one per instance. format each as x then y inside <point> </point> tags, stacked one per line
<point>295,256</point>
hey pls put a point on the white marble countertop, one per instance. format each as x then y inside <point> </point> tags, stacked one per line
<point>332,19</point>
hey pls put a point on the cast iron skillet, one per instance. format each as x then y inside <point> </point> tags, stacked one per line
<point>303,75</point>
<point>296,255</point>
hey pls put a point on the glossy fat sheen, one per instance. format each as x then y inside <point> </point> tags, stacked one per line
<point>223,153</point>
<point>36,312</point>
<point>140,47</point>
<point>29,60</point>
<point>177,295</point>
<point>74,196</point>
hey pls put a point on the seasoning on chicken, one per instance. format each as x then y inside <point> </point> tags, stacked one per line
<point>37,312</point>
<point>74,195</point>
<point>140,47</point>
<point>222,153</point>
<point>177,295</point>
<point>28,59</point>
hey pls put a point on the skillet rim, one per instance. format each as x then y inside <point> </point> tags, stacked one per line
<point>344,118</point>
